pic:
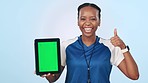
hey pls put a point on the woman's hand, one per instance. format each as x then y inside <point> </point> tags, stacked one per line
<point>116,41</point>
<point>46,75</point>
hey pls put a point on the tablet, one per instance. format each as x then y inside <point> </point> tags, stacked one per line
<point>47,56</point>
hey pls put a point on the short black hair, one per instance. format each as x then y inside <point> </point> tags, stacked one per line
<point>91,5</point>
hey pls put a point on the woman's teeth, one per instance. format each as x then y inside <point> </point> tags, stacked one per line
<point>87,29</point>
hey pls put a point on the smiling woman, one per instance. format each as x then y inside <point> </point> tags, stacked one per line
<point>21,21</point>
<point>89,58</point>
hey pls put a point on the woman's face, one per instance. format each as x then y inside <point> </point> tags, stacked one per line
<point>88,21</point>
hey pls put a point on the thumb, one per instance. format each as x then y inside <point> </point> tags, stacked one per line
<point>115,32</point>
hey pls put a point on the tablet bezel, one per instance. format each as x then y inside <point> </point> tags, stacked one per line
<point>57,40</point>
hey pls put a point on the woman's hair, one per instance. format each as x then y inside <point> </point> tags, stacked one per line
<point>91,5</point>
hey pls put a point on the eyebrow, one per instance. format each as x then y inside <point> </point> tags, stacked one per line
<point>90,16</point>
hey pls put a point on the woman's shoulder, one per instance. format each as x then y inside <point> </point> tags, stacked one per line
<point>103,40</point>
<point>106,42</point>
<point>69,41</point>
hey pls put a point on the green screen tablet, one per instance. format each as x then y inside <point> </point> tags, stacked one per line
<point>47,56</point>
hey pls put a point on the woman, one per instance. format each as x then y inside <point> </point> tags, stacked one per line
<point>89,58</point>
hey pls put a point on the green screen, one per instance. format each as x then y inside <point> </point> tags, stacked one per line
<point>47,52</point>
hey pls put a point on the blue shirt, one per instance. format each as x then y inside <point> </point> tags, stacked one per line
<point>100,61</point>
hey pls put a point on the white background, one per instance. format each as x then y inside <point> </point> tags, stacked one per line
<point>21,21</point>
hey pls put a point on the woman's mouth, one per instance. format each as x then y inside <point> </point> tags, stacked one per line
<point>88,29</point>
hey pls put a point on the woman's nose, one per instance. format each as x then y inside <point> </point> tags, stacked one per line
<point>87,23</point>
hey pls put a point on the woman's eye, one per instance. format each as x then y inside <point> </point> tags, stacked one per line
<point>83,19</point>
<point>93,19</point>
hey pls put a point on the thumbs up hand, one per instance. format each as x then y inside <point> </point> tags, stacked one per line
<point>116,41</point>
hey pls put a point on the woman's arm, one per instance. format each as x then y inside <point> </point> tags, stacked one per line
<point>128,65</point>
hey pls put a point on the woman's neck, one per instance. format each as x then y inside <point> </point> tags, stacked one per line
<point>88,40</point>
